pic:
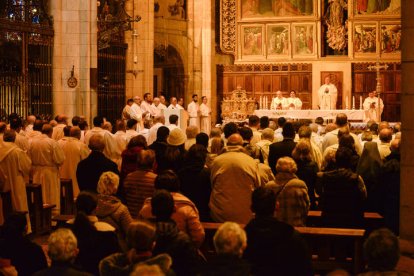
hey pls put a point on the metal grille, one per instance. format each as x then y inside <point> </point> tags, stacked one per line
<point>26,43</point>
<point>111,76</point>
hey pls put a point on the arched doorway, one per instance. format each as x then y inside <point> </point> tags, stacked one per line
<point>169,78</point>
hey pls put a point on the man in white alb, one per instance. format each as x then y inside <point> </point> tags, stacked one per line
<point>328,95</point>
<point>293,102</point>
<point>193,110</point>
<point>136,112</point>
<point>146,106</point>
<point>157,106</point>
<point>174,104</point>
<point>205,116</point>
<point>371,107</point>
<point>279,102</point>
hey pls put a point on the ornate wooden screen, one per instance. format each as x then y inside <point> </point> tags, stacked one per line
<point>364,81</point>
<point>111,76</point>
<point>265,79</point>
<point>26,44</point>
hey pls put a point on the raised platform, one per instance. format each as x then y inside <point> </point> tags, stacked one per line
<point>353,115</point>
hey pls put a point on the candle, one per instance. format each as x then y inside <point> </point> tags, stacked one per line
<point>265,102</point>
<point>260,102</point>
<point>353,102</point>
<point>346,103</point>
<point>360,102</point>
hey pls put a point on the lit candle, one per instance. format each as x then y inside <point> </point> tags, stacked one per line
<point>346,103</point>
<point>265,102</point>
<point>260,103</point>
<point>353,102</point>
<point>360,102</point>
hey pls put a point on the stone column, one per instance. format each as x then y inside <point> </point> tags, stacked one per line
<point>140,53</point>
<point>206,54</point>
<point>407,115</point>
<point>74,45</point>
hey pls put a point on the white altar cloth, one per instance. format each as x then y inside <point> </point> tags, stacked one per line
<point>353,115</point>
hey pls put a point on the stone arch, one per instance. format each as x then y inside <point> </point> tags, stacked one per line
<point>171,68</point>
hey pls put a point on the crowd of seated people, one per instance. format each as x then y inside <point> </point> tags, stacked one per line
<point>142,199</point>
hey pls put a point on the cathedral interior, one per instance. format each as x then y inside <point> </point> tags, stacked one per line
<point>87,58</point>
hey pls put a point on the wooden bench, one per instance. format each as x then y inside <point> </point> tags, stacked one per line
<point>40,214</point>
<point>331,248</point>
<point>61,220</point>
<point>372,220</point>
<point>7,205</point>
<point>67,203</point>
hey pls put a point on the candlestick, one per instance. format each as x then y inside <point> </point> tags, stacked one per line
<point>260,103</point>
<point>360,102</point>
<point>353,102</point>
<point>346,103</point>
<point>265,102</point>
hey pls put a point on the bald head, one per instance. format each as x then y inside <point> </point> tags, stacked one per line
<point>62,119</point>
<point>385,135</point>
<point>75,132</point>
<point>30,119</point>
<point>96,143</point>
<point>47,129</point>
<point>235,140</point>
<point>341,120</point>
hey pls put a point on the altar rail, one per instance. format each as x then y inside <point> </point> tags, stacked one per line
<point>353,115</point>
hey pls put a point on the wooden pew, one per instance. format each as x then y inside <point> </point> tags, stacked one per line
<point>40,214</point>
<point>67,203</point>
<point>330,247</point>
<point>7,205</point>
<point>62,219</point>
<point>372,220</point>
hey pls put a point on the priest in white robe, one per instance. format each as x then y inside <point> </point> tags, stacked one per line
<point>136,112</point>
<point>193,110</point>
<point>47,156</point>
<point>15,167</point>
<point>205,118</point>
<point>293,102</point>
<point>328,95</point>
<point>58,129</point>
<point>74,151</point>
<point>373,106</point>
<point>279,102</point>
<point>157,106</point>
<point>110,144</point>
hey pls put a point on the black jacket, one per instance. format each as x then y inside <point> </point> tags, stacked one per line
<point>90,169</point>
<point>280,149</point>
<point>276,248</point>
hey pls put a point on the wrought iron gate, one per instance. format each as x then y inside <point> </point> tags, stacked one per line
<point>111,87</point>
<point>26,45</point>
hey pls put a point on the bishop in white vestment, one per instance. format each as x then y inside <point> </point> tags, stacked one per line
<point>328,95</point>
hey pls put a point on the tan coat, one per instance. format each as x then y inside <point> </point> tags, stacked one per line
<point>234,176</point>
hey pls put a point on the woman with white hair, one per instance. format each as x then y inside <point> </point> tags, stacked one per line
<point>110,209</point>
<point>230,241</point>
<point>62,250</point>
<point>292,193</point>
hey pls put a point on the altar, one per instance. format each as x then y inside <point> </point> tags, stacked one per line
<point>353,114</point>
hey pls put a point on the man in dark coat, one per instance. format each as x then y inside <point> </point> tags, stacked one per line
<point>282,148</point>
<point>274,247</point>
<point>90,169</point>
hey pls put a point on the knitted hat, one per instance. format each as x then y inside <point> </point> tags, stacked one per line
<point>177,137</point>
